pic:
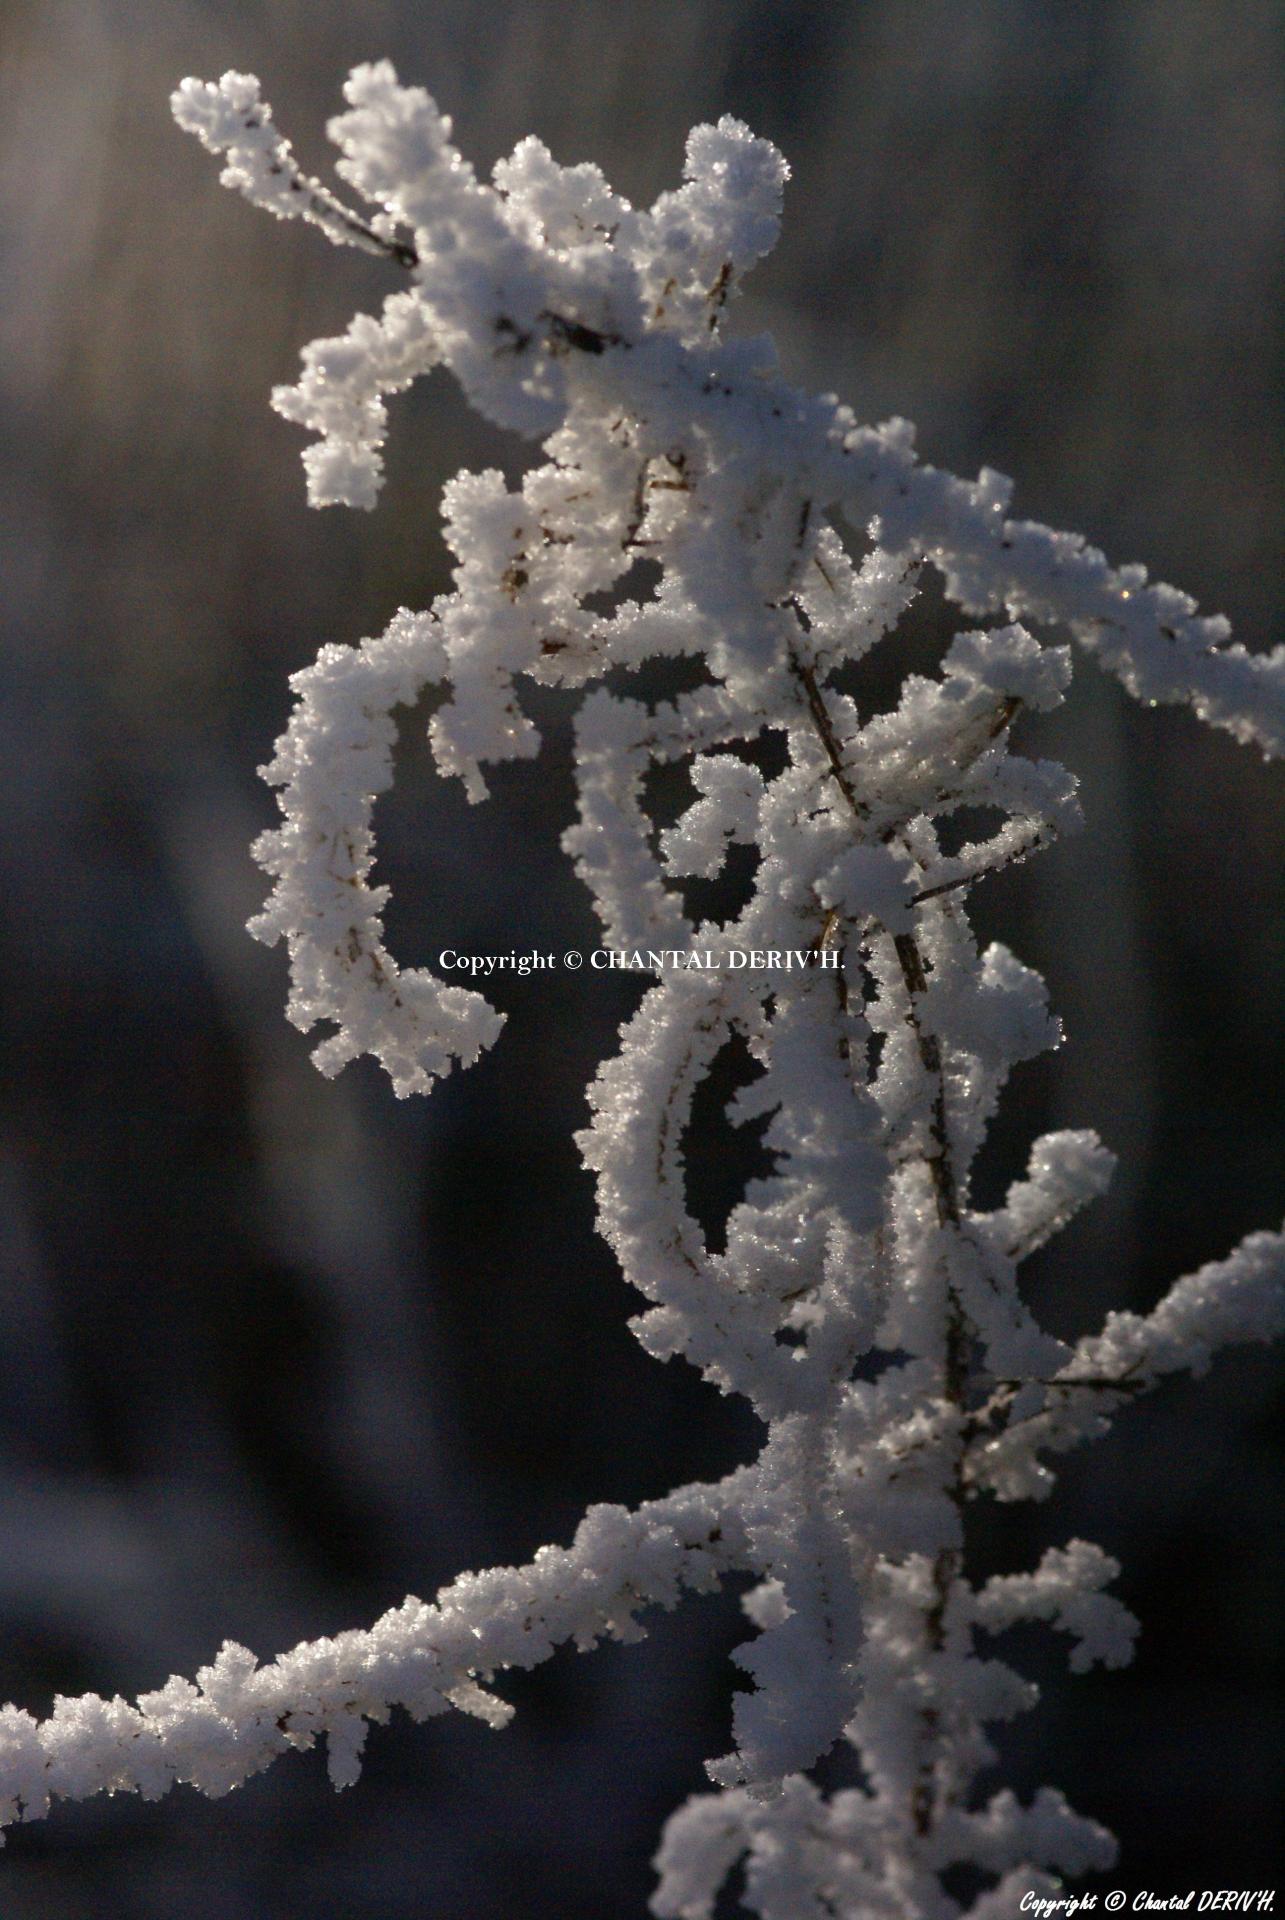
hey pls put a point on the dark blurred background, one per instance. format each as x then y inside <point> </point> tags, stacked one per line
<point>277,1350</point>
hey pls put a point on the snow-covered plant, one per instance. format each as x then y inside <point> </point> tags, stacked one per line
<point>865,1306</point>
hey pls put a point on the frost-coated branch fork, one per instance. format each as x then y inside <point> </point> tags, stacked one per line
<point>866,1308</point>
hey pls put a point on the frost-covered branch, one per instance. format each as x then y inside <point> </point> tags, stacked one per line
<point>426,1658</point>
<point>565,312</point>
<point>231,119</point>
<point>862,1303</point>
<point>1222,1304</point>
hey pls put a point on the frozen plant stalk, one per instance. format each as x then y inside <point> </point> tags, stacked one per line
<point>864,1305</point>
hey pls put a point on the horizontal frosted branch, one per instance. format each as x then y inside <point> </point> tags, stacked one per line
<point>1226,1303</point>
<point>535,331</point>
<point>1147,633</point>
<point>239,1717</point>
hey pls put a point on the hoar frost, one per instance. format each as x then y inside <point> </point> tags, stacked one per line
<point>866,1308</point>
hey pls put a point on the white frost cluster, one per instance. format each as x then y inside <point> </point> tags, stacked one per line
<point>862,1303</point>
<point>568,314</point>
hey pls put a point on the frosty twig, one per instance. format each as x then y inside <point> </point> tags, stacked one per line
<point>863,1304</point>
